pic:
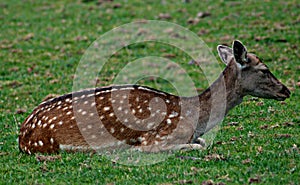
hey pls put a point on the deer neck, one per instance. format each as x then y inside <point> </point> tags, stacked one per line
<point>231,76</point>
<point>217,100</point>
<point>226,87</point>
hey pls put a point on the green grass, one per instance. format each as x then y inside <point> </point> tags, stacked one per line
<point>42,43</point>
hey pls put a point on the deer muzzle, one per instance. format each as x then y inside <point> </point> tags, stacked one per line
<point>283,93</point>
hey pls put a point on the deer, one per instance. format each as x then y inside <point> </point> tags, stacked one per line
<point>143,118</point>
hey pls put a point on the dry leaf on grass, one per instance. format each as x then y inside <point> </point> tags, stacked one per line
<point>233,123</point>
<point>208,182</point>
<point>203,14</point>
<point>184,181</point>
<point>117,5</point>
<point>283,135</point>
<point>193,21</point>
<point>254,180</point>
<point>28,36</point>
<point>246,161</point>
<point>169,55</point>
<point>164,16</point>
<point>215,157</point>
<point>21,111</point>
<point>43,158</point>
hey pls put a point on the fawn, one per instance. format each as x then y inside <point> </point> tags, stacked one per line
<point>142,117</point>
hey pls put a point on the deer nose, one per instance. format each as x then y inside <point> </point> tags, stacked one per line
<point>285,91</point>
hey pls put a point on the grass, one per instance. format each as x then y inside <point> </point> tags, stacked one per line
<point>42,43</point>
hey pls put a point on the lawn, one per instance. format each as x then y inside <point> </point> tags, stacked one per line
<point>42,43</point>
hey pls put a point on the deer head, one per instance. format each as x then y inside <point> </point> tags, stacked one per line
<point>254,77</point>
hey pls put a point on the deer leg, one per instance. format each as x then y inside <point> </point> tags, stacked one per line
<point>200,141</point>
<point>172,147</point>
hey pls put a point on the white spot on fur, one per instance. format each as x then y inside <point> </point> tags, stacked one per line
<point>41,143</point>
<point>51,140</point>
<point>106,108</point>
<point>112,130</point>
<point>173,114</point>
<point>169,122</point>
<point>127,88</point>
<point>51,126</point>
<point>150,125</point>
<point>140,139</point>
<point>90,95</point>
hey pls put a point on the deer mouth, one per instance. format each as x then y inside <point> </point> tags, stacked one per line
<point>283,94</point>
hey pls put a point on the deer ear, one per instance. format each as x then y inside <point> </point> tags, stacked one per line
<point>239,52</point>
<point>225,53</point>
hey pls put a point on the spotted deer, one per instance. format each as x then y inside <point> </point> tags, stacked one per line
<point>142,117</point>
